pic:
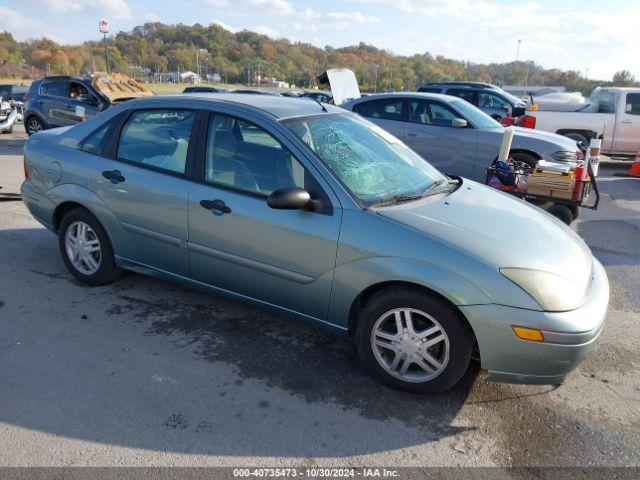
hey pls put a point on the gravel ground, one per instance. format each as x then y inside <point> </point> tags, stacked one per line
<point>147,373</point>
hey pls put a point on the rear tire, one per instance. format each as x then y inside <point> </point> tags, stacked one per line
<point>33,125</point>
<point>86,249</point>
<point>401,326</point>
<point>561,212</point>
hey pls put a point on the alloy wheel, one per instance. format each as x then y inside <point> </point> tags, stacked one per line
<point>83,248</point>
<point>34,126</point>
<point>410,345</point>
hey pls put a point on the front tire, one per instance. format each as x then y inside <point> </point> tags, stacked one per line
<point>86,249</point>
<point>413,341</point>
<point>525,158</point>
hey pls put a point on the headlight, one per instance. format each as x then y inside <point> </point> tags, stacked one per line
<point>552,292</point>
<point>566,156</point>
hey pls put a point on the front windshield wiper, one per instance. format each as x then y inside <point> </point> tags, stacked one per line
<point>396,199</point>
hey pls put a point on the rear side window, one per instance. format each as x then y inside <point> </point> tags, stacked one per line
<point>468,95</point>
<point>95,140</point>
<point>430,89</point>
<point>157,138</point>
<point>55,88</point>
<point>633,103</point>
<point>388,109</point>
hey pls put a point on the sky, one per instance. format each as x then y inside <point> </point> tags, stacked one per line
<point>596,38</point>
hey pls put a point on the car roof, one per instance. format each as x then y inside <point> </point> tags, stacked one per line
<point>416,95</point>
<point>277,106</point>
<point>478,85</point>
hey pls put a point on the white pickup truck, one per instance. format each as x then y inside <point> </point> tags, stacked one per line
<point>611,113</point>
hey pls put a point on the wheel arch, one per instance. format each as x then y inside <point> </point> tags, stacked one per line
<point>61,211</point>
<point>69,196</point>
<point>587,133</point>
<point>34,113</point>
<point>365,295</point>
<point>526,151</point>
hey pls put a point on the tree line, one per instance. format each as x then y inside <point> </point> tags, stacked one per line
<point>156,47</point>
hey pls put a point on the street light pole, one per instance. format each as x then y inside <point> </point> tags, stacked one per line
<point>518,51</point>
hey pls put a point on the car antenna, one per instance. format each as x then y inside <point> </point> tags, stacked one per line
<point>324,109</point>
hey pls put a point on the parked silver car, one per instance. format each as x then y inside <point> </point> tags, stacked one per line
<point>456,137</point>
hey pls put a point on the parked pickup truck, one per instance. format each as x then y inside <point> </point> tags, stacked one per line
<point>613,113</point>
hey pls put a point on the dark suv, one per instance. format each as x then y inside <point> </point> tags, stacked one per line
<point>59,101</point>
<point>13,92</point>
<point>488,97</point>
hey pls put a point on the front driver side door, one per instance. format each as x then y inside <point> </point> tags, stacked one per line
<point>628,134</point>
<point>238,243</point>
<point>431,134</point>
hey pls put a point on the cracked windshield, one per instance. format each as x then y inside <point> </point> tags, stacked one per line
<point>373,164</point>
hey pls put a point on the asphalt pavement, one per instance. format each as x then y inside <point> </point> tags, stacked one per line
<point>147,373</point>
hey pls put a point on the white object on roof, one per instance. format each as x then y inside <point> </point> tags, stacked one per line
<point>344,85</point>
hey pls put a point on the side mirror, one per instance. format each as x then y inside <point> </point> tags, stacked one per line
<point>291,199</point>
<point>459,123</point>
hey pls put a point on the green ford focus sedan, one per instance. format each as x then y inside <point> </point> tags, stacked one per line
<point>315,212</point>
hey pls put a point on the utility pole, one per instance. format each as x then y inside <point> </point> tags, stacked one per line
<point>375,78</point>
<point>103,27</point>
<point>198,51</point>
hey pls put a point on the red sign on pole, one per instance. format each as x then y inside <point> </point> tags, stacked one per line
<point>103,25</point>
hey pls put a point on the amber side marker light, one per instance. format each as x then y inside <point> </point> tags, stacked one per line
<point>531,334</point>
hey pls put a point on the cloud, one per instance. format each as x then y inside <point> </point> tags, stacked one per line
<point>264,30</point>
<point>351,18</point>
<point>217,3</point>
<point>13,21</point>
<point>273,7</point>
<point>110,8</point>
<point>151,18</point>
<point>225,26</point>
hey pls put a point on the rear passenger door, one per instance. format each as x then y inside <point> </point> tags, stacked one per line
<point>143,178</point>
<point>240,244</point>
<point>431,134</point>
<point>387,113</point>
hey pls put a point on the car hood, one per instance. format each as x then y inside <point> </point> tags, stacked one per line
<point>499,230</point>
<point>563,143</point>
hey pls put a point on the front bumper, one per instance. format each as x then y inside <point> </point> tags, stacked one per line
<point>7,121</point>
<point>569,336</point>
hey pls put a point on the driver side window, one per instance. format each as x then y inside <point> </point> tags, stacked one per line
<point>79,92</point>
<point>489,100</point>
<point>428,112</point>
<point>244,156</point>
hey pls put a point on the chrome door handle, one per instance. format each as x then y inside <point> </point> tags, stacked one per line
<point>217,206</point>
<point>626,121</point>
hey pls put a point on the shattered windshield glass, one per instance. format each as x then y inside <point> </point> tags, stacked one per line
<point>372,164</point>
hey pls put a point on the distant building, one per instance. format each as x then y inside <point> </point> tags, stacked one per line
<point>214,77</point>
<point>535,90</point>
<point>17,71</point>
<point>190,77</point>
